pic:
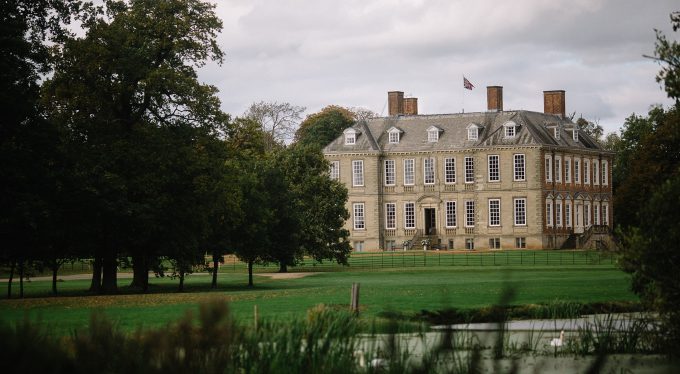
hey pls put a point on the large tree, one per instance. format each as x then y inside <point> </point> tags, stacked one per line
<point>321,128</point>
<point>120,90</point>
<point>278,121</point>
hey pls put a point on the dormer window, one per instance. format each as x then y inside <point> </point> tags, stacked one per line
<point>393,135</point>
<point>350,136</point>
<point>510,129</point>
<point>556,131</point>
<point>433,134</point>
<point>473,132</point>
<point>574,134</point>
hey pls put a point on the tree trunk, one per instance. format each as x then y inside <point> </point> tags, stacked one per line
<point>283,268</point>
<point>181,281</point>
<point>109,275</point>
<point>9,282</point>
<point>140,273</point>
<point>96,285</point>
<point>216,267</point>
<point>250,273</point>
<point>55,269</point>
<point>21,279</point>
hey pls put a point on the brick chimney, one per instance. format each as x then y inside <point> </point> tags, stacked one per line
<point>554,102</point>
<point>411,106</point>
<point>395,103</point>
<point>494,98</point>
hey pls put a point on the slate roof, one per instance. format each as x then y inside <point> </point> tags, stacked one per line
<point>534,129</point>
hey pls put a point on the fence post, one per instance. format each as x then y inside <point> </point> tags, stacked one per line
<point>354,301</point>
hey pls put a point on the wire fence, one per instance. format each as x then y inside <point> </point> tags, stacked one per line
<point>418,259</point>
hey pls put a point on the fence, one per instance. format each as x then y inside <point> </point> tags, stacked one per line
<point>414,259</point>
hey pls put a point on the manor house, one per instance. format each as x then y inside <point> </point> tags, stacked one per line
<point>499,179</point>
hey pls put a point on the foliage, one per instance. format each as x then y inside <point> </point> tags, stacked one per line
<point>321,128</point>
<point>667,54</point>
<point>277,120</point>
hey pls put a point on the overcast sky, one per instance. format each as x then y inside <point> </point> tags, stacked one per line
<point>314,53</point>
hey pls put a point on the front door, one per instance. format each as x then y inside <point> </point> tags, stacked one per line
<point>430,221</point>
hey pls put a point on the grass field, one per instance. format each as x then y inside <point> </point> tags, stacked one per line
<point>403,290</point>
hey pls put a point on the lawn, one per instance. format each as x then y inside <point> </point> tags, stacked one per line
<point>403,290</point>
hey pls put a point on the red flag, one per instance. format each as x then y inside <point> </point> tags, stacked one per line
<point>467,84</point>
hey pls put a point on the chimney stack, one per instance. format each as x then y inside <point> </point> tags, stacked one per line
<point>395,103</point>
<point>494,98</point>
<point>554,102</point>
<point>411,106</point>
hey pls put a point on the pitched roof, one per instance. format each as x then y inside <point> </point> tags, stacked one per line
<point>533,129</point>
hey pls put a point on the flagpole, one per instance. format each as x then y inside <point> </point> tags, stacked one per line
<point>463,96</point>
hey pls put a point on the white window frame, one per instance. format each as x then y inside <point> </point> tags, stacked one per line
<point>577,170</point>
<point>574,134</point>
<point>450,170</point>
<point>567,213</point>
<point>350,138</point>
<point>393,137</point>
<point>558,213</point>
<point>520,211</point>
<point>548,168</point>
<point>450,214</point>
<point>359,216</point>
<point>409,172</point>
<point>586,214</point>
<point>433,136</point>
<point>519,160</point>
<point>390,172</point>
<point>409,215</point>
<point>605,213</point>
<point>358,246</point>
<point>605,173</point>
<point>556,132</point>
<point>429,171</point>
<point>596,213</point>
<point>558,169</point>
<point>357,173</point>
<point>495,212</point>
<point>510,131</point>
<point>390,216</point>
<point>548,213</point>
<point>334,170</point>
<point>469,169</point>
<point>596,173</point>
<point>586,171</point>
<point>473,133</point>
<point>567,170</point>
<point>469,213</point>
<point>494,168</point>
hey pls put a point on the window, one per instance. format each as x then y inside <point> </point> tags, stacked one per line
<point>390,244</point>
<point>586,171</point>
<point>558,169</point>
<point>450,214</point>
<point>350,136</point>
<point>494,172</point>
<point>567,170</point>
<point>574,134</point>
<point>494,243</point>
<point>567,214</point>
<point>390,176</point>
<point>494,212</point>
<point>605,173</point>
<point>520,242</point>
<point>596,213</point>
<point>510,131</point>
<point>473,132</point>
<point>605,214</point>
<point>596,172</point>
<point>556,131</point>
<point>548,168</point>
<point>469,169</point>
<point>409,172</point>
<point>358,246</point>
<point>520,171</point>
<point>558,213</point>
<point>469,244</point>
<point>394,138</point>
<point>390,216</point>
<point>450,170</point>
<point>577,171</point>
<point>520,212</point>
<point>359,223</point>
<point>409,215</point>
<point>334,170</point>
<point>432,135</point>
<point>357,173</point>
<point>469,213</point>
<point>548,213</point>
<point>429,170</point>
<point>586,214</point>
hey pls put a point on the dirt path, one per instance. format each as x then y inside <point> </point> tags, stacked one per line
<point>285,275</point>
<point>129,276</point>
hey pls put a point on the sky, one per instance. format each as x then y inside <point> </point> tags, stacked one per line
<point>315,53</point>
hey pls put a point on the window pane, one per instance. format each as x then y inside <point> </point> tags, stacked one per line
<point>450,170</point>
<point>409,215</point>
<point>520,173</point>
<point>358,172</point>
<point>469,214</point>
<point>450,214</point>
<point>429,171</point>
<point>359,223</point>
<point>391,216</point>
<point>494,212</point>
<point>520,212</point>
<point>494,173</point>
<point>389,173</point>
<point>409,172</point>
<point>469,170</point>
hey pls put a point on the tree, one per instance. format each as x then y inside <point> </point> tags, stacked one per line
<point>667,54</point>
<point>277,120</point>
<point>593,129</point>
<point>321,128</point>
<point>121,90</point>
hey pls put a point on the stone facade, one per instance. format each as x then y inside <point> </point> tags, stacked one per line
<point>490,180</point>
